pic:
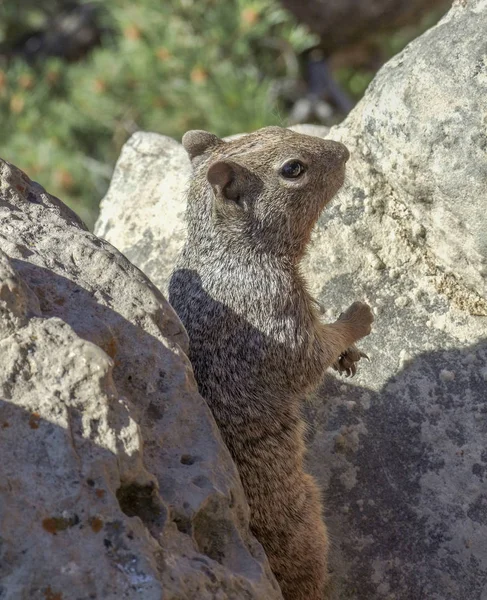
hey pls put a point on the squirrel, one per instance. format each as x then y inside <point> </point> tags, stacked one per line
<point>258,346</point>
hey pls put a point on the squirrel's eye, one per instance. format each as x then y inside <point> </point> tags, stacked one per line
<point>292,169</point>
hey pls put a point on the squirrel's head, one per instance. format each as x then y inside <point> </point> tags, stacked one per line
<point>268,187</point>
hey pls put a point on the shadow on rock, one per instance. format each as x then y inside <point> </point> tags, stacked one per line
<point>405,479</point>
<point>404,471</point>
<point>61,505</point>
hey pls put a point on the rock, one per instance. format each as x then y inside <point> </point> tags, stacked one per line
<point>143,212</point>
<point>114,481</point>
<point>422,126</point>
<point>405,474</point>
<point>400,450</point>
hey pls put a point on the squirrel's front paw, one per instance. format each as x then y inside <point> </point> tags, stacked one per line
<point>360,316</point>
<point>347,360</point>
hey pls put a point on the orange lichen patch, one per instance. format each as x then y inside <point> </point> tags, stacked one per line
<point>34,420</point>
<point>49,525</point>
<point>96,524</point>
<point>50,595</point>
<point>55,524</point>
<point>100,493</point>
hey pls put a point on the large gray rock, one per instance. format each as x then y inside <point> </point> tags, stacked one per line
<point>422,126</point>
<point>400,451</point>
<point>114,482</point>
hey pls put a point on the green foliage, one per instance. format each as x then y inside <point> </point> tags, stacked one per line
<point>167,67</point>
<point>16,18</point>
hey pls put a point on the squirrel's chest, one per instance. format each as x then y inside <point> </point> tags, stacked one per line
<point>266,321</point>
<point>251,337</point>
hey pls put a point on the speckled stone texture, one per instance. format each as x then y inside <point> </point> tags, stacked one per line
<point>114,482</point>
<point>142,212</point>
<point>400,451</point>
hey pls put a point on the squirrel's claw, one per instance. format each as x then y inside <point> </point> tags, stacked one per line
<point>347,361</point>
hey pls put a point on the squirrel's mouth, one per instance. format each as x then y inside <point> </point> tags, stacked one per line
<point>344,153</point>
<point>334,182</point>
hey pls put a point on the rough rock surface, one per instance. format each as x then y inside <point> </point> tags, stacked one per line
<point>114,482</point>
<point>400,450</point>
<point>423,126</point>
<point>143,209</point>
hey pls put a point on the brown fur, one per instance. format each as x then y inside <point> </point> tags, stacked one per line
<point>257,344</point>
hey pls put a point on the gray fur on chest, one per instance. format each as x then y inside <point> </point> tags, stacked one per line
<point>246,327</point>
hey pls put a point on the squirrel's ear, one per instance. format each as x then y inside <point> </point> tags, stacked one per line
<point>225,177</point>
<point>196,142</point>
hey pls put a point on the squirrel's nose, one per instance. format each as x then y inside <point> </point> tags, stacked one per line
<point>338,151</point>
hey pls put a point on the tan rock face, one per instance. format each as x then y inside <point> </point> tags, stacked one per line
<point>400,451</point>
<point>143,212</point>
<point>422,127</point>
<point>114,482</point>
